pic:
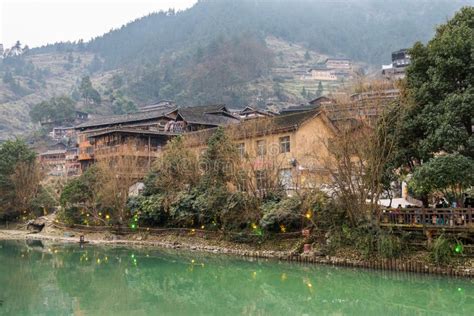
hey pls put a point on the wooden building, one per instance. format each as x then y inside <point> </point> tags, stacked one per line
<point>53,162</point>
<point>145,132</point>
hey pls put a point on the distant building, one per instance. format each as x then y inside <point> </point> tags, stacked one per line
<point>251,112</point>
<point>79,118</point>
<point>297,109</point>
<point>312,105</point>
<point>322,100</point>
<point>160,105</point>
<point>400,61</point>
<point>53,162</point>
<point>321,74</point>
<point>338,63</point>
<point>401,58</point>
<point>60,132</point>
<point>73,167</point>
<point>389,94</point>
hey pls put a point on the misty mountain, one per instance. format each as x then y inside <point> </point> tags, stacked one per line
<point>228,51</point>
<point>364,30</point>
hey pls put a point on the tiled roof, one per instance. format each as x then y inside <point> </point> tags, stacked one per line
<point>257,127</point>
<point>299,108</point>
<point>279,123</point>
<point>53,152</point>
<point>217,115</point>
<point>214,115</point>
<point>127,118</point>
<point>132,131</point>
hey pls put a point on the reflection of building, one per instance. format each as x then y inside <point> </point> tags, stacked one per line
<point>400,61</point>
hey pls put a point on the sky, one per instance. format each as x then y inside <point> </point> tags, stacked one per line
<point>39,22</point>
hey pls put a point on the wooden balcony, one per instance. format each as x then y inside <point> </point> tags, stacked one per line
<point>124,150</point>
<point>85,156</point>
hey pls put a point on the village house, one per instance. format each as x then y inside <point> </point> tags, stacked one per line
<point>79,118</point>
<point>53,162</point>
<point>250,113</point>
<point>145,132</point>
<point>321,74</point>
<point>321,101</point>
<point>59,160</point>
<point>60,132</point>
<point>73,167</point>
<point>400,61</point>
<point>338,63</point>
<point>289,150</point>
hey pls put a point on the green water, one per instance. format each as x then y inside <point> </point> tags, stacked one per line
<point>46,279</point>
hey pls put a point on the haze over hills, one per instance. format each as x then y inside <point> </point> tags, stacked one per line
<point>233,52</point>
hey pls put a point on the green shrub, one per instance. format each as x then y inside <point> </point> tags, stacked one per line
<point>441,250</point>
<point>287,212</point>
<point>182,210</point>
<point>210,204</point>
<point>240,210</point>
<point>71,215</point>
<point>149,210</point>
<point>44,201</point>
<point>389,245</point>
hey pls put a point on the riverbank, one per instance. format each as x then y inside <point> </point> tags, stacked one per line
<point>276,249</point>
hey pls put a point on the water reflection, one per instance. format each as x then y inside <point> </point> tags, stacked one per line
<point>60,280</point>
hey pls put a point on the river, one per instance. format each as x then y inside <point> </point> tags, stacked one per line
<point>58,279</point>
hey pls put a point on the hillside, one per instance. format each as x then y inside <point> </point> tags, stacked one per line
<point>363,30</point>
<point>233,52</point>
<point>36,78</point>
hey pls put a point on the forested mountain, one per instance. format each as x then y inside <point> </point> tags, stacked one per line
<point>361,29</point>
<point>212,51</point>
<point>225,51</point>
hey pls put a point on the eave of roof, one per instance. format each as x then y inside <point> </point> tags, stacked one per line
<point>132,131</point>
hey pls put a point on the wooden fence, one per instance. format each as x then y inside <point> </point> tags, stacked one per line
<point>434,218</point>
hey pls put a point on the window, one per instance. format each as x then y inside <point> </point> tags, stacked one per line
<point>261,179</point>
<point>241,149</point>
<point>285,178</point>
<point>285,144</point>
<point>261,148</point>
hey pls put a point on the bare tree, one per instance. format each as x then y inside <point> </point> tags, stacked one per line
<point>118,172</point>
<point>26,180</point>
<point>357,163</point>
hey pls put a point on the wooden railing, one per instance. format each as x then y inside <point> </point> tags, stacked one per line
<point>454,218</point>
